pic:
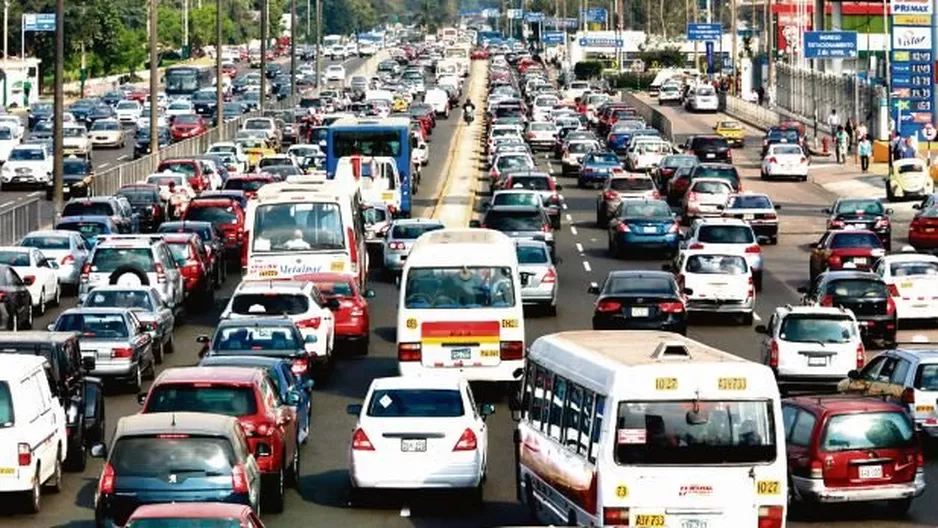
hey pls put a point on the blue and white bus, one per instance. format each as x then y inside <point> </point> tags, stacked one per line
<point>388,137</point>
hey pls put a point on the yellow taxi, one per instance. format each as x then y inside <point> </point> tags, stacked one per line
<point>400,104</point>
<point>255,149</point>
<point>732,131</point>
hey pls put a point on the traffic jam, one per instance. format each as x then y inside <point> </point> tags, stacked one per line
<point>298,242</point>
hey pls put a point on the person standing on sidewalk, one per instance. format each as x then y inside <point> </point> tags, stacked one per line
<point>850,129</point>
<point>840,142</point>
<point>865,150</point>
<point>27,88</point>
<point>833,121</point>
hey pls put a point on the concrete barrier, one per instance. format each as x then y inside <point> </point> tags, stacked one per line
<point>651,115</point>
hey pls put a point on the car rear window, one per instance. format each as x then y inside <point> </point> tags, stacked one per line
<point>926,377</point>
<point>182,252</point>
<point>640,286</point>
<point>183,455</point>
<point>726,234</point>
<point>86,229</point>
<point>335,289</point>
<point>183,168</point>
<point>914,269</point>
<point>516,199</point>
<point>256,338</point>
<point>645,210</point>
<point>717,264</point>
<point>534,183</point>
<point>750,202</point>
<point>216,215</point>
<point>726,173</point>
<point>108,259</point>
<point>180,522</point>
<point>140,196</point>
<point>243,184</point>
<point>814,328</point>
<point>413,231</point>
<point>416,403</point>
<point>857,288</point>
<point>87,209</point>
<point>787,149</point>
<point>514,220</point>
<point>214,399</point>
<point>871,430</point>
<point>855,240</point>
<point>47,242</point>
<point>531,255</point>
<point>93,325</point>
<point>861,207</point>
<point>7,418</point>
<point>374,215</point>
<point>709,143</point>
<point>119,299</point>
<point>269,303</point>
<point>711,187</point>
<point>631,184</point>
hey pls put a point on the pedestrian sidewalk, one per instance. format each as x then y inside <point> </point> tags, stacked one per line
<point>848,180</point>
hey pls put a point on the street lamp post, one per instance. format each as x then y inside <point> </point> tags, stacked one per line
<point>293,52</point>
<point>219,75</point>
<point>263,101</point>
<point>154,84</point>
<point>58,105</point>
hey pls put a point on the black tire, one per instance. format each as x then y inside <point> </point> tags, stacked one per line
<point>30,318</point>
<point>757,281</point>
<point>77,459</point>
<point>747,319</point>
<point>134,270</point>
<point>274,492</point>
<point>135,382</point>
<point>552,310</point>
<point>54,484</point>
<point>32,499</point>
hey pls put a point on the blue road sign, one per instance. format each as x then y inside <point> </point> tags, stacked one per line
<point>830,44</point>
<point>534,17</point>
<point>705,32</point>
<point>490,12</point>
<point>561,22</point>
<point>593,14</point>
<point>552,37</point>
<point>586,42</point>
<point>709,48</point>
<point>38,21</point>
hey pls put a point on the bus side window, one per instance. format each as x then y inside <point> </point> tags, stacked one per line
<point>537,403</point>
<point>527,395</point>
<point>556,409</point>
<point>571,417</point>
<point>597,428</point>
<point>586,420</point>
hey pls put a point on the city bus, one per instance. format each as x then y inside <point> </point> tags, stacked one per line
<point>183,81</point>
<point>461,54</point>
<point>388,137</point>
<point>639,428</point>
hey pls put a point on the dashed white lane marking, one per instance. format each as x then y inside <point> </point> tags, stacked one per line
<point>564,205</point>
<point>104,165</point>
<point>755,317</point>
<point>579,247</point>
<point>561,197</point>
<point>122,158</point>
<point>405,511</point>
<point>573,230</point>
<point>569,217</point>
<point>586,266</point>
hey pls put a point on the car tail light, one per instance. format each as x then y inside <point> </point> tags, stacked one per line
<point>890,306</point>
<point>919,460</point>
<point>615,516</point>
<point>546,228</point>
<point>773,354</point>
<point>675,227</point>
<point>834,261</point>
<point>239,479</point>
<point>300,366</point>
<point>671,307</point>
<point>729,155</point>
<point>409,352</point>
<point>360,441</point>
<point>754,249</point>
<point>817,469</point>
<point>827,300</point>
<point>549,277</point>
<point>160,272</point>
<point>692,196</point>
<point>467,442</point>
<point>908,396</point>
<point>623,227</point>
<point>67,259</point>
<point>772,160</point>
<point>771,516</point>
<point>771,216</point>
<point>531,135</point>
<point>893,290</point>
<point>882,223</point>
<point>312,322</point>
<point>106,482</point>
<point>835,224</point>
<point>511,350</point>
<point>861,355</point>
<point>396,245</point>
<point>122,353</point>
<point>24,455</point>
<point>608,306</point>
<point>655,194</point>
<point>696,245</point>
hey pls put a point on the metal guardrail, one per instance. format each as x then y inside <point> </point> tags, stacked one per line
<point>18,218</point>
<point>651,116</point>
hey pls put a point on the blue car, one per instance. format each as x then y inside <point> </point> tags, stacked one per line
<point>90,227</point>
<point>597,167</point>
<point>621,133</point>
<point>284,379</point>
<point>643,225</point>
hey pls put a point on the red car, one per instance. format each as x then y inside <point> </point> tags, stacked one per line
<point>195,265</point>
<point>349,305</point>
<point>425,124</point>
<point>479,54</point>
<point>844,449</point>
<point>187,126</point>
<point>226,213</point>
<point>138,95</point>
<point>860,248</point>
<point>923,231</point>
<point>245,394</point>
<point>200,513</point>
<point>192,168</point>
<point>247,183</point>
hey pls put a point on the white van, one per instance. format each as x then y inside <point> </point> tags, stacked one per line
<point>33,441</point>
<point>438,98</point>
<point>460,308</point>
<point>638,428</point>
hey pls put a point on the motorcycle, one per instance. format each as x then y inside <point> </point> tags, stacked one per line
<point>468,116</point>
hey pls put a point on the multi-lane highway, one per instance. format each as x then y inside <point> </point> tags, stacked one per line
<point>321,499</point>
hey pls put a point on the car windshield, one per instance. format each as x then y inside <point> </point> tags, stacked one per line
<point>164,181</point>
<point>858,288</point>
<point>215,399</point>
<point>913,269</point>
<point>816,328</point>
<point>859,207</point>
<point>514,220</point>
<point>269,303</point>
<point>533,183</point>
<point>188,119</point>
<point>300,226</point>
<point>787,149</point>
<point>582,147</point>
<point>119,299</point>
<point>695,432</point>
<point>459,288</point>
<point>867,431</point>
<point>855,240</point>
<point>244,184</point>
<point>631,184</point>
<point>416,403</point>
<point>532,255</point>
<point>725,173</point>
<point>516,198</point>
<point>15,258</point>
<point>335,288</point>
<point>788,135</point>
<point>95,326</point>
<point>27,155</point>
<point>255,338</point>
<point>216,215</point>
<point>749,202</point>
<point>413,231</point>
<point>128,105</point>
<point>105,125</point>
<point>678,161</point>
<point>605,158</point>
<point>186,168</point>
<point>74,132</point>
<point>152,456</point>
<point>108,259</point>
<point>183,522</point>
<point>75,168</point>
<point>726,234</point>
<point>646,210</point>
<point>717,265</point>
<point>47,242</point>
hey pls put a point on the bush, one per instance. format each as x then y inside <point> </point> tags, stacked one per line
<point>663,58</point>
<point>588,69</point>
<point>631,80</point>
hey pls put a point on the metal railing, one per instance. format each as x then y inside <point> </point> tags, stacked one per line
<point>17,219</point>
<point>651,116</point>
<point>811,95</point>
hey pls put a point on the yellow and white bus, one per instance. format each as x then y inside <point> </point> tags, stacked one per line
<point>460,307</point>
<point>633,428</point>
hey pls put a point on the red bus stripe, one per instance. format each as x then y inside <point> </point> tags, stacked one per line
<point>460,329</point>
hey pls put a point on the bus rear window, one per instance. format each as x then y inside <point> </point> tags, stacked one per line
<point>459,288</point>
<point>366,143</point>
<point>298,227</point>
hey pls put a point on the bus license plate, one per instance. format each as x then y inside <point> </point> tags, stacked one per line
<point>871,472</point>
<point>413,445</point>
<point>461,353</point>
<point>644,519</point>
<point>694,523</point>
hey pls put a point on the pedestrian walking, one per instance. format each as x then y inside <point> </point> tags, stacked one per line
<point>27,88</point>
<point>861,130</point>
<point>840,145</point>
<point>907,150</point>
<point>850,129</point>
<point>760,94</point>
<point>865,149</point>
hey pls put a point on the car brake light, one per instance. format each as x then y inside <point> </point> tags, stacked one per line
<point>771,516</point>
<point>908,396</point>
<point>834,261</point>
<point>546,228</point>
<point>861,355</point>
<point>550,277</point>
<point>239,479</point>
<point>675,227</point>
<point>24,454</point>
<point>671,307</point>
<point>882,223</point>
<point>360,441</point>
<point>615,516</point>
<point>754,249</point>
<point>312,322</point>
<point>67,259</point>
<point>696,245</point>
<point>836,223</point>
<point>122,353</point>
<point>353,246</point>
<point>160,272</point>
<point>300,366</point>
<point>890,306</point>
<point>773,354</point>
<point>893,290</point>
<point>772,160</point>
<point>467,442</point>
<point>771,216</point>
<point>106,482</point>
<point>623,227</point>
<point>608,306</point>
<point>817,469</point>
<point>409,352</point>
<point>827,300</point>
<point>511,350</point>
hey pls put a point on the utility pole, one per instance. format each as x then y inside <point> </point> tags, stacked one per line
<point>768,30</point>
<point>319,42</point>
<point>264,28</point>
<point>6,29</point>
<point>735,61</point>
<point>185,29</point>
<point>293,52</point>
<point>58,150</point>
<point>154,84</point>
<point>696,48</point>
<point>219,75</point>
<point>309,23</point>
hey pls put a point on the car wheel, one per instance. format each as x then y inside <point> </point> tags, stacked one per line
<point>552,310</point>
<point>54,484</point>
<point>170,346</point>
<point>158,352</point>
<point>28,323</point>
<point>746,319</point>
<point>57,299</point>
<point>899,507</point>
<point>274,493</point>
<point>34,495</point>
<point>293,474</point>
<point>42,301</point>
<point>77,458</point>
<point>136,379</point>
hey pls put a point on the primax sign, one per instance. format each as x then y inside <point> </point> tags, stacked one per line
<point>911,7</point>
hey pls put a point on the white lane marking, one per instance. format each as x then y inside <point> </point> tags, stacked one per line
<point>586,266</point>
<point>755,317</point>
<point>561,197</point>
<point>564,205</point>
<point>569,217</point>
<point>579,247</point>
<point>405,511</point>
<point>104,165</point>
<point>550,168</point>
<point>573,230</point>
<point>122,158</point>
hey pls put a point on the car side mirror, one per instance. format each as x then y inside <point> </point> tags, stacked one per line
<point>369,294</point>
<point>204,339</point>
<point>88,363</point>
<point>917,206</point>
<point>50,327</point>
<point>777,207</point>
<point>826,210</point>
<point>141,398</point>
<point>354,409</point>
<point>475,223</point>
<point>99,451</point>
<point>890,211</point>
<point>762,329</point>
<point>688,291</point>
<point>487,410</point>
<point>853,374</point>
<point>293,398</point>
<point>593,289</point>
<point>559,187</point>
<point>29,280</point>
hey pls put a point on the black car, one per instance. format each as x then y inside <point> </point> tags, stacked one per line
<point>39,112</point>
<point>142,143</point>
<point>16,304</point>
<point>709,148</point>
<point>273,70</point>
<point>781,134</point>
<point>146,202</point>
<point>100,111</point>
<point>230,111</point>
<point>41,129</point>
<point>639,300</point>
<point>112,98</point>
<point>77,177</point>
<point>862,292</point>
<point>204,102</point>
<point>81,395</point>
<point>861,213</point>
<point>81,108</point>
<point>100,206</point>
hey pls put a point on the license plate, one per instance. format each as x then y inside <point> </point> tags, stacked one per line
<point>7,471</point>
<point>817,361</point>
<point>413,445</point>
<point>461,353</point>
<point>929,229</point>
<point>859,261</point>
<point>749,217</point>
<point>644,519</point>
<point>871,472</point>
<point>651,229</point>
<point>711,155</point>
<point>906,284</point>
<point>639,312</point>
<point>694,523</point>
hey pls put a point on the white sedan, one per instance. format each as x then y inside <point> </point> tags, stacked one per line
<point>912,280</point>
<point>107,133</point>
<point>335,72</point>
<point>179,107</point>
<point>128,112</point>
<point>419,433</point>
<point>785,161</point>
<point>38,273</point>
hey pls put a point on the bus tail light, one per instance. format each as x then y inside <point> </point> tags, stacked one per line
<point>771,516</point>
<point>615,516</point>
<point>409,352</point>
<point>24,455</point>
<point>353,246</point>
<point>511,350</point>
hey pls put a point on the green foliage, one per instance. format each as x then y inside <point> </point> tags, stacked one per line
<point>631,81</point>
<point>664,58</point>
<point>588,69</point>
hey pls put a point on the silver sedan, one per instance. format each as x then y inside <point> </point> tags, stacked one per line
<point>67,248</point>
<point>538,275</point>
<point>147,305</point>
<point>400,239</point>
